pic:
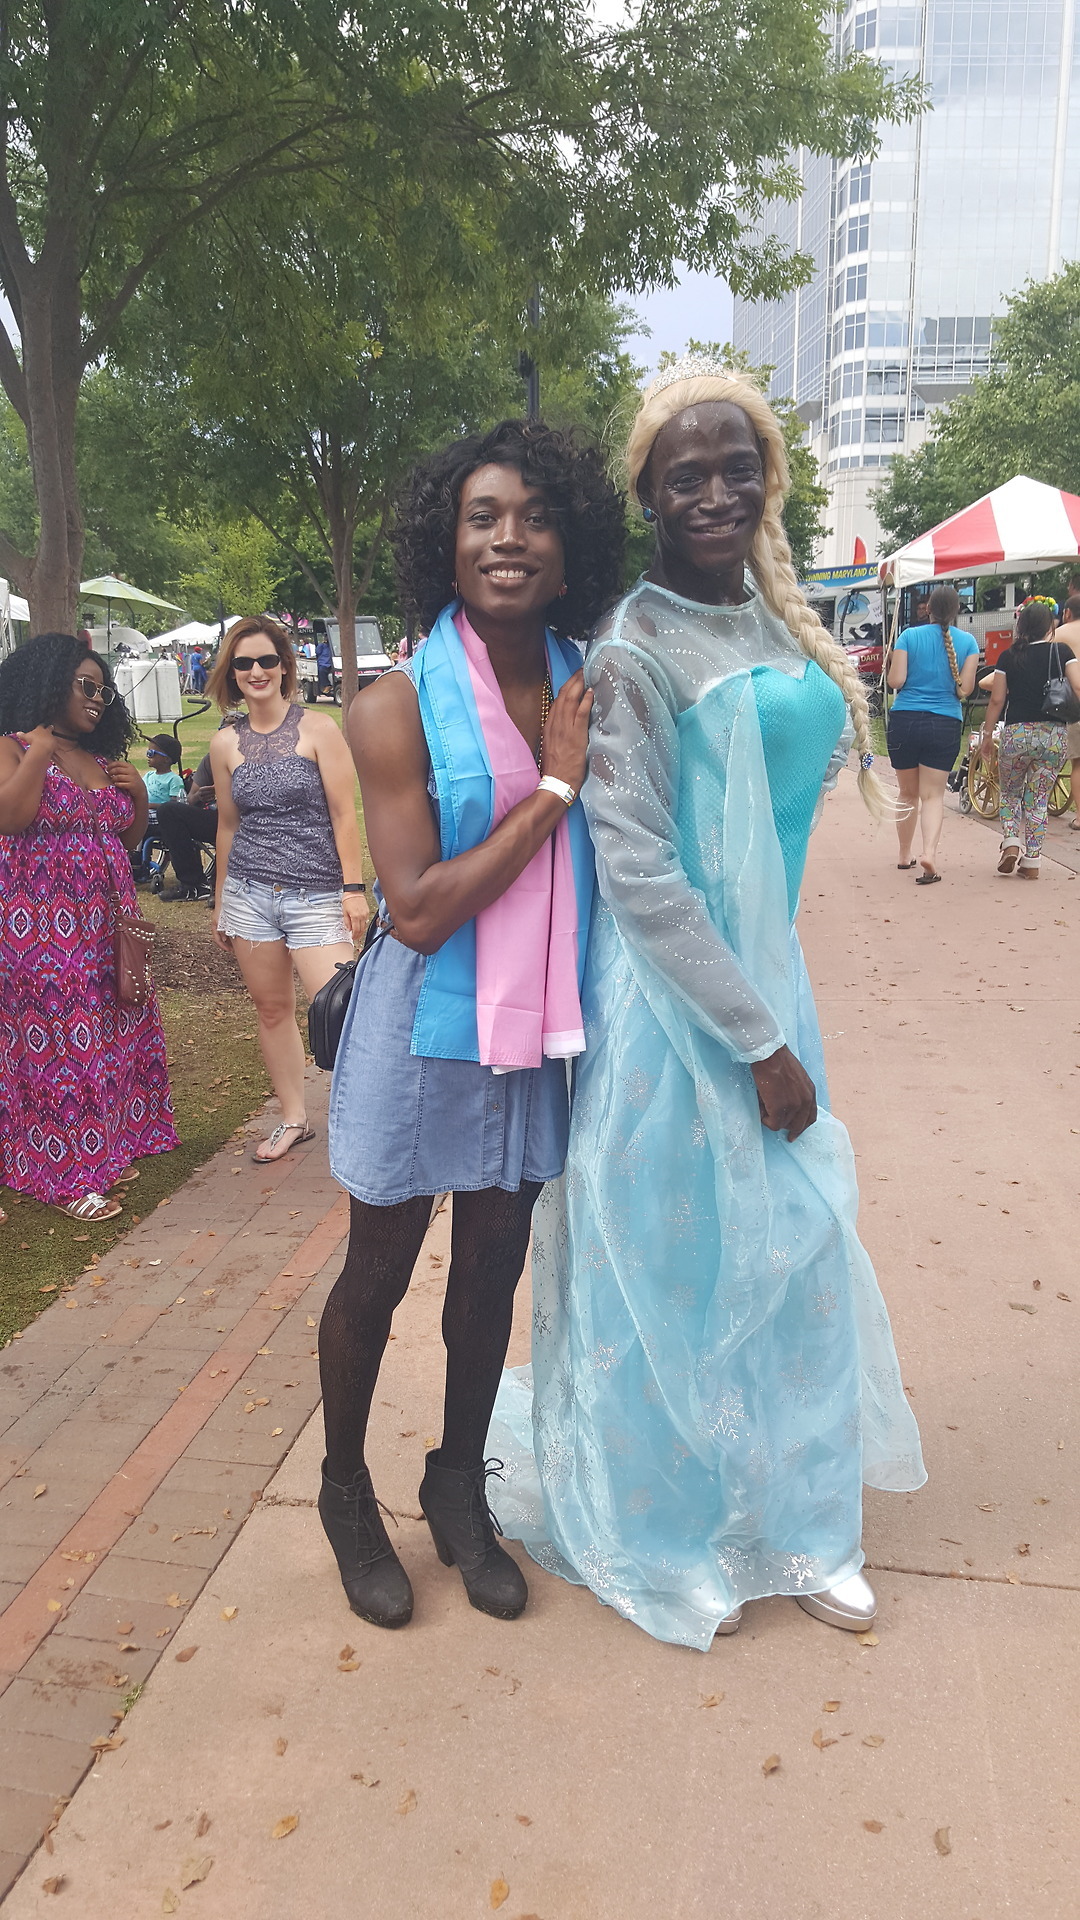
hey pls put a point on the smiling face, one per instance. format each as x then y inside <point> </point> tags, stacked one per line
<point>508,555</point>
<point>705,482</point>
<point>84,706</point>
<point>263,676</point>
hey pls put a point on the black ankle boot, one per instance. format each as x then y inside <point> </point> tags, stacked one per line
<point>375,1582</point>
<point>463,1527</point>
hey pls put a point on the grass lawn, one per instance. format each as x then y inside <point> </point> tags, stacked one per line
<point>215,1068</point>
<point>218,1080</point>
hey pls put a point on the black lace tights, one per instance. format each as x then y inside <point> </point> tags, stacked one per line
<point>489,1241</point>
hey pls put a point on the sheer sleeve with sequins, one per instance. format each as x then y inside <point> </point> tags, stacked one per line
<point>630,797</point>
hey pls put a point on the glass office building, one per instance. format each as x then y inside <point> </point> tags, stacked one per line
<point>918,250</point>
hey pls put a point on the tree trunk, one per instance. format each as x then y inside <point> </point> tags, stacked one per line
<point>52,370</point>
<point>343,539</point>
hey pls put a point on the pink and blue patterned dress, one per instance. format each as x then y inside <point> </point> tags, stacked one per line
<point>84,1089</point>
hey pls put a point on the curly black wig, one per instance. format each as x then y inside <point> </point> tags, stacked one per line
<point>588,508</point>
<point>35,687</point>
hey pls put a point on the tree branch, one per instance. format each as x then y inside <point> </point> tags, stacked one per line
<point>306,569</point>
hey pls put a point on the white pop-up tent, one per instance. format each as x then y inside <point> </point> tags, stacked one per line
<point>1022,527</point>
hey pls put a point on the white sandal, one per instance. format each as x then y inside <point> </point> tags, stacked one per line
<point>299,1127</point>
<point>92,1207</point>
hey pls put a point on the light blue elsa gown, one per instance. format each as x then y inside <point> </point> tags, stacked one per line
<point>713,1375</point>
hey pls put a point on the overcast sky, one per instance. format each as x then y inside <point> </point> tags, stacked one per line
<point>699,308</point>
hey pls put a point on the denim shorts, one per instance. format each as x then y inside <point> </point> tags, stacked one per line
<point>252,910</point>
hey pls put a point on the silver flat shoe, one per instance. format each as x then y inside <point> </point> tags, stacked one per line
<point>852,1604</point>
<point>731,1622</point>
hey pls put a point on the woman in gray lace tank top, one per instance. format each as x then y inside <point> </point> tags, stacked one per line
<point>289,866</point>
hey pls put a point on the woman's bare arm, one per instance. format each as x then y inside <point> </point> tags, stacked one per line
<point>429,897</point>
<point>22,778</point>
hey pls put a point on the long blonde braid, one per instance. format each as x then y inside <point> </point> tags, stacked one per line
<point>943,608</point>
<point>770,554</point>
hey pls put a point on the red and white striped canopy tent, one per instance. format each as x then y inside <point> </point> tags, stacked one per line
<point>1021,527</point>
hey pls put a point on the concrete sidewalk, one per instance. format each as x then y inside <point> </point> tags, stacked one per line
<point>565,1767</point>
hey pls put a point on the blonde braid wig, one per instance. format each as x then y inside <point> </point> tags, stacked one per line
<point>770,554</point>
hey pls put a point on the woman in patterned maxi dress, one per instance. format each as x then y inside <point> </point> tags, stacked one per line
<point>84,1090</point>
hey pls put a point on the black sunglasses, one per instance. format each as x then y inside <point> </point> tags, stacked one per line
<point>243,662</point>
<point>92,690</point>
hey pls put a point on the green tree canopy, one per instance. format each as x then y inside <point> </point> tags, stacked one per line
<point>577,154</point>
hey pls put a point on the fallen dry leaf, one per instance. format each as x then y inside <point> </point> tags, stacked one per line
<point>1014,1579</point>
<point>250,1408</point>
<point>819,1741</point>
<point>499,1892</point>
<point>311,1320</point>
<point>771,1765</point>
<point>161,1826</point>
<point>830,1706</point>
<point>202,1825</point>
<point>288,1824</point>
<point>194,1871</point>
<point>346,1652</point>
<point>52,1606</point>
<point>523,1820</point>
<point>174,1600</point>
<point>712,1700</point>
<point>38,1491</point>
<point>867,1639</point>
<point>874,1826</point>
<point>280,1745</point>
<point>874,1740</point>
<point>1023,1548</point>
<point>1067,1297</point>
<point>348,1666</point>
<point>185,1654</point>
<point>408,1803</point>
<point>54,1883</point>
<point>942,1841</point>
<point>229,1613</point>
<point>128,1646</point>
<point>275,1431</point>
<point>262,1401</point>
<point>170,1901</point>
<point>1022,1306</point>
<point>125,1626</point>
<point>363,1779</point>
<point>107,1743</point>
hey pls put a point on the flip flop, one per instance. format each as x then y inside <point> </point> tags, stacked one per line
<point>127,1179</point>
<point>926,879</point>
<point>905,866</point>
<point>299,1127</point>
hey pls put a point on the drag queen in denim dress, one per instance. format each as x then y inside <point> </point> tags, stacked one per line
<point>713,1372</point>
<point>452,1068</point>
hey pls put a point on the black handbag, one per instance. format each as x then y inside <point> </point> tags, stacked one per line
<point>1059,702</point>
<point>326,1014</point>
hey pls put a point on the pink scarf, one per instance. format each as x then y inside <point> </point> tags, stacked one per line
<point>527,1001</point>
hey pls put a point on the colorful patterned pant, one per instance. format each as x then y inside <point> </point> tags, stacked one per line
<point>1030,753</point>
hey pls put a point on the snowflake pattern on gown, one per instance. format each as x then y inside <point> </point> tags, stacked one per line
<point>84,1088</point>
<point>713,1374</point>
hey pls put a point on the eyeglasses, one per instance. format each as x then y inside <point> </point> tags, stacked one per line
<point>93,690</point>
<point>243,662</point>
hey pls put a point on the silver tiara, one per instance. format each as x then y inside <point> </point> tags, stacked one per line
<point>690,366</point>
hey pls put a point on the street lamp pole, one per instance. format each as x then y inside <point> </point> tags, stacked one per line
<point>527,366</point>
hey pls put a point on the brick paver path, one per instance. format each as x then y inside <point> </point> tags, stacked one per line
<point>140,1419</point>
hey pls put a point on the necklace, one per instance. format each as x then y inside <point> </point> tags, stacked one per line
<point>545,709</point>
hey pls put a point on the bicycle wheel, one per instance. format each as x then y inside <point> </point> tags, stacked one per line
<point>1060,795</point>
<point>982,784</point>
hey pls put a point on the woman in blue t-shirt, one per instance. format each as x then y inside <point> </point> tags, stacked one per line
<point>931,670</point>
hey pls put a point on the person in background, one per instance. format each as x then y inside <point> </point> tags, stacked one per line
<point>183,827</point>
<point>163,782</point>
<point>1031,749</point>
<point>324,661</point>
<point>84,1089</point>
<point>932,669</point>
<point>197,671</point>
<point>289,865</point>
<point>1070,613</point>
